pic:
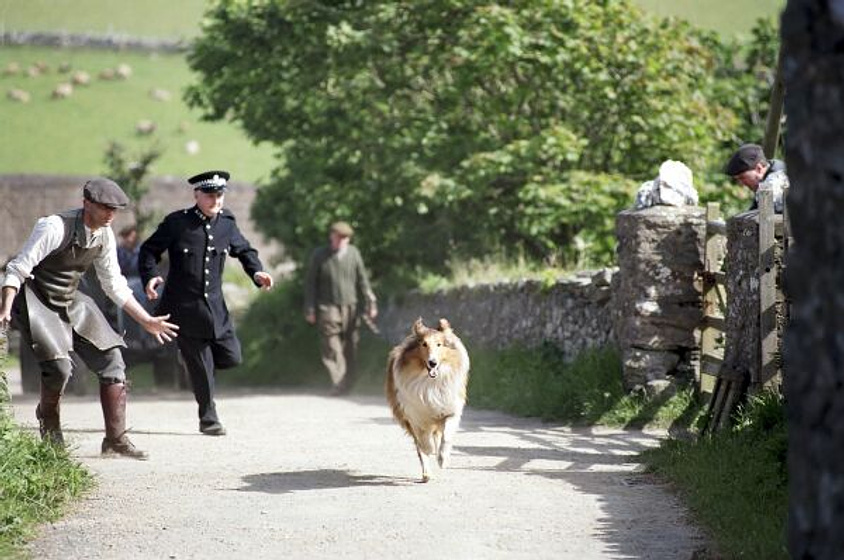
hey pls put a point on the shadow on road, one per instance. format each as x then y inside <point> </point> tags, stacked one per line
<point>318,479</point>
<point>603,465</point>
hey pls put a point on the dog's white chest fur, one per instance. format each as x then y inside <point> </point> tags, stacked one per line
<point>425,400</point>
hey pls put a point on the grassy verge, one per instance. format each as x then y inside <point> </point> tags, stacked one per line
<point>540,382</point>
<point>735,482</point>
<point>37,481</point>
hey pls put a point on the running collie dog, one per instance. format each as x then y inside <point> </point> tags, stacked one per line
<point>426,388</point>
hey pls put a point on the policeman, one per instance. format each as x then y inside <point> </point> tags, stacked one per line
<point>197,241</point>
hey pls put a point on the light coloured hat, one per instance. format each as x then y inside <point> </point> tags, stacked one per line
<point>342,228</point>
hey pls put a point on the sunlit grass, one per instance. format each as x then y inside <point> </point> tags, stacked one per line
<point>736,482</point>
<point>70,135</point>
<point>490,270</point>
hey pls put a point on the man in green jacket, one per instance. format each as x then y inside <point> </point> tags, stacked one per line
<point>336,277</point>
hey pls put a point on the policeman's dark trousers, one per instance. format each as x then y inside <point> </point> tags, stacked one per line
<point>202,357</point>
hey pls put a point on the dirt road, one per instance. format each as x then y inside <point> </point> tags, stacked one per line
<point>305,476</point>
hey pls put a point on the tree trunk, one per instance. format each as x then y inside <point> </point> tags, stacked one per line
<point>813,64</point>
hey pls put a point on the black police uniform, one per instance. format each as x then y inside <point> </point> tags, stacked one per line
<point>197,247</point>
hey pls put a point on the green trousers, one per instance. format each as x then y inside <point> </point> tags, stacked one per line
<point>338,329</point>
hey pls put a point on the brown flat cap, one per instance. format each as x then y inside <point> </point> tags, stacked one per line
<point>106,192</point>
<point>342,228</point>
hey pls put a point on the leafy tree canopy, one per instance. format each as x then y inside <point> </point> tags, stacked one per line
<point>448,127</point>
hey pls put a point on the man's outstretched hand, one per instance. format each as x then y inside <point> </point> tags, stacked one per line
<point>161,329</point>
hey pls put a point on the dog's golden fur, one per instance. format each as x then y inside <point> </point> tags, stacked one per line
<point>426,388</point>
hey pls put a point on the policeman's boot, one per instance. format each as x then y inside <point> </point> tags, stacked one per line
<point>116,442</point>
<point>47,413</point>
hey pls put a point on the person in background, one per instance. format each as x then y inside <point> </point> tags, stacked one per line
<point>198,240</point>
<point>40,292</point>
<point>335,279</point>
<point>748,166</point>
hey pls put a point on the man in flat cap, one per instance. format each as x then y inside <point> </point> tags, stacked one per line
<point>198,240</point>
<point>748,166</point>
<point>54,317</point>
<point>336,277</point>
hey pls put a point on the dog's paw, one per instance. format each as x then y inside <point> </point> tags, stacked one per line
<point>444,456</point>
<point>425,478</point>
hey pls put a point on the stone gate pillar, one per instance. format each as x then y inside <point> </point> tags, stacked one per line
<point>657,301</point>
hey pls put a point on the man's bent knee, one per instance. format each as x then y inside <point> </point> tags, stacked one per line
<point>113,369</point>
<point>56,373</point>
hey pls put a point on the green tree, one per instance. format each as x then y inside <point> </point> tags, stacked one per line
<point>449,127</point>
<point>131,172</point>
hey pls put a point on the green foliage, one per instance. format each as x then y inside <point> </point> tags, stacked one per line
<point>281,349</point>
<point>458,127</point>
<point>131,173</point>
<point>36,481</point>
<point>736,481</point>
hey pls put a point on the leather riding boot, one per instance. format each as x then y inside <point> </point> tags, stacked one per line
<point>47,413</point>
<point>116,442</point>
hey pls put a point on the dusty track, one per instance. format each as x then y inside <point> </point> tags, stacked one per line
<point>303,476</point>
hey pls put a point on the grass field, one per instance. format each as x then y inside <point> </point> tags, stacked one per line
<point>166,18</point>
<point>729,17</point>
<point>70,135</point>
<point>143,18</point>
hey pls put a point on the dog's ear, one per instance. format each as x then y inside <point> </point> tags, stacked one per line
<point>444,326</point>
<point>419,328</point>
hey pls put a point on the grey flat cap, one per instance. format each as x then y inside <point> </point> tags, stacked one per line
<point>106,192</point>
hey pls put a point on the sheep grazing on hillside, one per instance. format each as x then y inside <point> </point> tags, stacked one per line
<point>159,94</point>
<point>18,95</point>
<point>107,74</point>
<point>42,66</point>
<point>123,71</point>
<point>62,91</point>
<point>12,69</point>
<point>33,72</point>
<point>192,147</point>
<point>64,67</point>
<point>80,78</point>
<point>145,127</point>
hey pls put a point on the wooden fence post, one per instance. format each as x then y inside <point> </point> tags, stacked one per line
<point>4,385</point>
<point>768,339</point>
<point>714,301</point>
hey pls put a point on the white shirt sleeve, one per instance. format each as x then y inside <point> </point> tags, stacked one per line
<point>113,282</point>
<point>45,238</point>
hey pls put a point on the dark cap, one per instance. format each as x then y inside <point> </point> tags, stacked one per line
<point>746,157</point>
<point>106,192</point>
<point>342,228</point>
<point>210,181</point>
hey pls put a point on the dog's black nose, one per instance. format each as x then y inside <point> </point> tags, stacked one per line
<point>432,363</point>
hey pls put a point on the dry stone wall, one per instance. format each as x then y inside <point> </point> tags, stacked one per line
<point>657,300</point>
<point>573,313</point>
<point>26,197</point>
<point>111,42</point>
